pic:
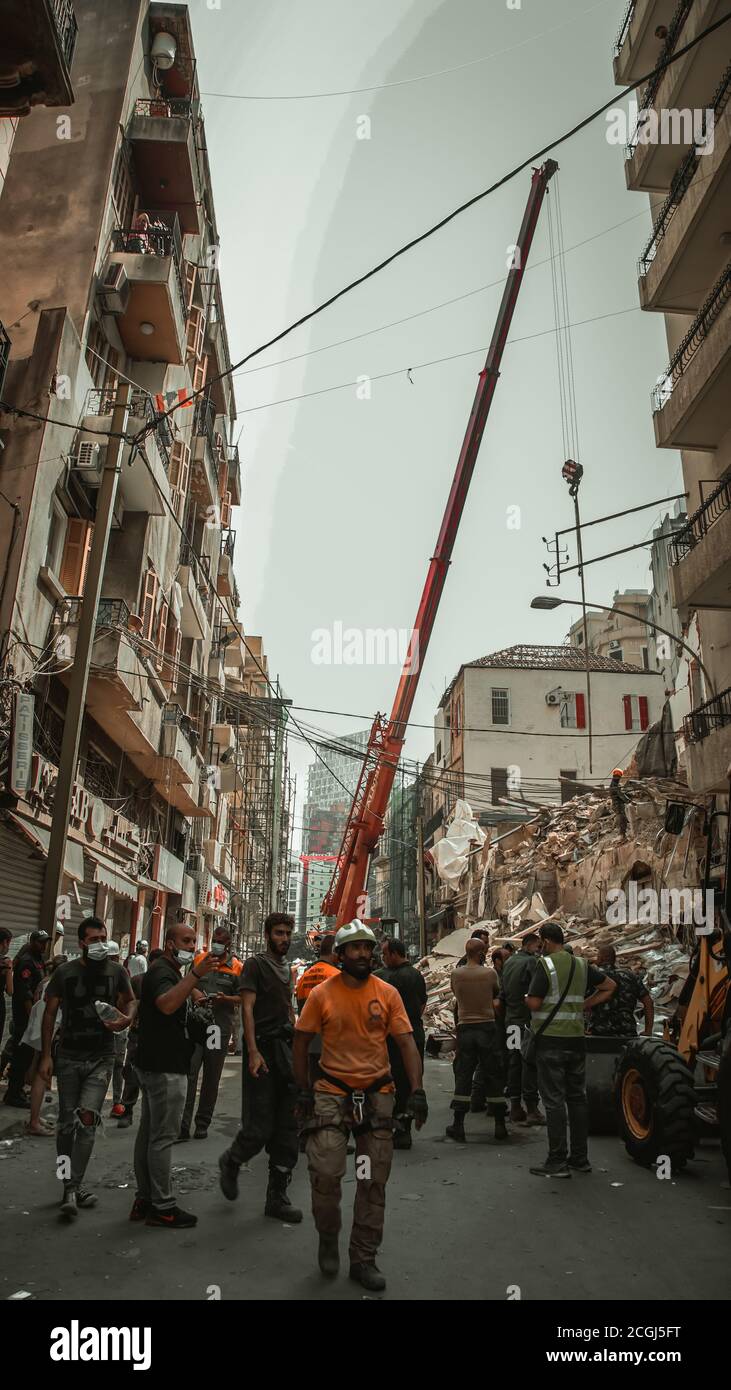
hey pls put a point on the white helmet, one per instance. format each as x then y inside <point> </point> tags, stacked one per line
<point>353,931</point>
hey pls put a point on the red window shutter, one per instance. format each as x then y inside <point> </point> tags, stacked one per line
<point>196,330</point>
<point>580,710</point>
<point>179,466</point>
<point>199,375</point>
<point>162,629</point>
<point>149,594</point>
<point>644,712</point>
<point>191,275</point>
<point>627,702</point>
<point>76,555</point>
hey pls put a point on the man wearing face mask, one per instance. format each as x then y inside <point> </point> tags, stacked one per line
<point>222,989</point>
<point>163,1059</point>
<point>27,980</point>
<point>85,1056</point>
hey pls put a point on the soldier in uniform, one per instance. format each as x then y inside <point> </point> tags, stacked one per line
<point>618,1017</point>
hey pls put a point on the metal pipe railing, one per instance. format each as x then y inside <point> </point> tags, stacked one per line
<point>699,524</point>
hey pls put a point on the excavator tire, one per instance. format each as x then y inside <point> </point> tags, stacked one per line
<point>724,1103</point>
<point>655,1100</point>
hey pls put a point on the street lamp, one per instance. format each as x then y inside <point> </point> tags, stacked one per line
<point>551,601</point>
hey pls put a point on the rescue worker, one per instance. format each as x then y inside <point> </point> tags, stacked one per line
<point>137,963</point>
<point>618,1017</point>
<point>557,997</point>
<point>28,977</point>
<point>221,987</point>
<point>315,974</point>
<point>269,1091</point>
<point>411,985</point>
<point>475,987</point>
<point>619,800</point>
<point>355,1014</point>
<point>515,979</point>
<point>84,1058</point>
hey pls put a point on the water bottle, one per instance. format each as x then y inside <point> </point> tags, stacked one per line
<point>107,1012</point>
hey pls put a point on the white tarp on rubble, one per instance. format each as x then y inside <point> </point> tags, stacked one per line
<point>463,835</point>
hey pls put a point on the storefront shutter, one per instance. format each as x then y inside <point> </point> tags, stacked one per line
<point>21,874</point>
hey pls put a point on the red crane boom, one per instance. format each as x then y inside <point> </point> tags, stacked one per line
<point>345,898</point>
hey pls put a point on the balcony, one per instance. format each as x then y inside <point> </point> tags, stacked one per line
<point>4,356</point>
<point>37,42</point>
<point>686,250</point>
<point>204,480</point>
<point>700,555</point>
<point>234,475</point>
<point>672,103</point>
<point>176,769</point>
<point>707,731</point>
<point>162,134</point>
<point>690,402</point>
<point>225,581</point>
<point>193,617</point>
<point>142,485</point>
<point>142,287</point>
<point>638,45</point>
<point>217,341</point>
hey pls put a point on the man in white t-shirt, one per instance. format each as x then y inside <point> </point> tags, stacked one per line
<point>137,963</point>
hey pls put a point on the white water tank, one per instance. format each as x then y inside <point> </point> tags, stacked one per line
<point>163,51</point>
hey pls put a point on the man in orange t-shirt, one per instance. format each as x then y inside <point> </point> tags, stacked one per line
<point>354,1014</point>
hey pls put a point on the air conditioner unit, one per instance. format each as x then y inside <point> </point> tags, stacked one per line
<point>88,462</point>
<point>195,864</point>
<point>115,289</point>
<point>553,697</point>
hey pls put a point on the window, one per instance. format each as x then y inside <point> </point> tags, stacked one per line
<point>499,784</point>
<point>101,359</point>
<point>615,652</point>
<point>636,713</point>
<point>123,195</point>
<point>149,603</point>
<point>439,752</point>
<point>457,719</point>
<point>645,659</point>
<point>75,561</point>
<point>500,706</point>
<point>568,783</point>
<point>573,709</point>
<point>580,638</point>
<point>56,538</point>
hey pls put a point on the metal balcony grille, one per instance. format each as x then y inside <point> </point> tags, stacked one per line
<point>112,612</point>
<point>693,340</point>
<point>166,107</point>
<point>228,543</point>
<point>683,177</point>
<point>141,407</point>
<point>674,30</point>
<point>624,27</point>
<point>4,355</point>
<point>714,714</point>
<point>699,524</point>
<point>66,27</point>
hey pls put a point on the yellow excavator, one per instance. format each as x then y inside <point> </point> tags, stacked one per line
<point>671,1090</point>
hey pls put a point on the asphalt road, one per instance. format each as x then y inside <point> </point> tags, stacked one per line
<point>462,1222</point>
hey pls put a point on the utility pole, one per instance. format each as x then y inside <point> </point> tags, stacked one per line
<point>53,877</point>
<point>281,717</point>
<point>573,473</point>
<point>420,885</point>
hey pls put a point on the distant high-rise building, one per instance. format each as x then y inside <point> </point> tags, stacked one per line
<point>331,783</point>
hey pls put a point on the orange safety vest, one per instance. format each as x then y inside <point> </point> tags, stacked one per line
<point>312,976</point>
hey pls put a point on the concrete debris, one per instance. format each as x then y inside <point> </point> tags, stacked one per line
<point>568,865</point>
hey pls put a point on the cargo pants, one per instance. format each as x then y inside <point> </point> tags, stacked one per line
<point>327,1142</point>
<point>479,1051</point>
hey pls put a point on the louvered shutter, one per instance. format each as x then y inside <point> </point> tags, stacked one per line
<point>644,712</point>
<point>627,702</point>
<point>76,555</point>
<point>580,710</point>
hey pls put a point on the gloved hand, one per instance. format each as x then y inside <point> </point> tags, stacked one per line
<point>417,1107</point>
<point>304,1108</point>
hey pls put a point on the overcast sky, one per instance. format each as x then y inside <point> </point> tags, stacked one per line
<point>343,497</point>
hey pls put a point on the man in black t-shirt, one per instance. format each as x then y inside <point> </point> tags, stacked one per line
<point>27,980</point>
<point>85,1053</point>
<point>163,1058</point>
<point>269,1090</point>
<point>411,985</point>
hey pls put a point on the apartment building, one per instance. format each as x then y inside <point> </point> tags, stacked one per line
<point>679,155</point>
<point>623,635</point>
<point>513,727</point>
<point>110,253</point>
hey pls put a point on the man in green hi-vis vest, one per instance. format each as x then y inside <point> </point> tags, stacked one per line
<point>557,999</point>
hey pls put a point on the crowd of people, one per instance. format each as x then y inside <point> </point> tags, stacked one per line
<point>333,1068</point>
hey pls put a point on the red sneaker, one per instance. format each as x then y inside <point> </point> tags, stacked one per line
<point>117,1110</point>
<point>140,1209</point>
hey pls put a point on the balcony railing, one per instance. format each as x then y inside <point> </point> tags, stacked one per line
<point>683,176</point>
<point>172,714</point>
<point>693,340</point>
<point>166,107</point>
<point>714,714</point>
<point>159,236</point>
<point>648,96</point>
<point>4,355</point>
<point>67,28</point>
<point>112,612</point>
<point>228,543</point>
<point>699,524</point>
<point>141,407</point>
<point>624,27</point>
<point>204,423</point>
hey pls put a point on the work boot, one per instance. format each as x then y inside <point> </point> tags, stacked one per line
<point>69,1204</point>
<point>517,1113</point>
<point>477,1104</point>
<point>200,1134</point>
<point>328,1256</point>
<point>278,1204</point>
<point>125,1120</point>
<point>456,1130</point>
<point>86,1199</point>
<point>228,1177</point>
<point>534,1116</point>
<point>580,1165</point>
<point>501,1130</point>
<point>551,1170</point>
<point>368,1276</point>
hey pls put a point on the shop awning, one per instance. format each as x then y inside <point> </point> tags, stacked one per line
<point>107,873</point>
<point>40,835</point>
